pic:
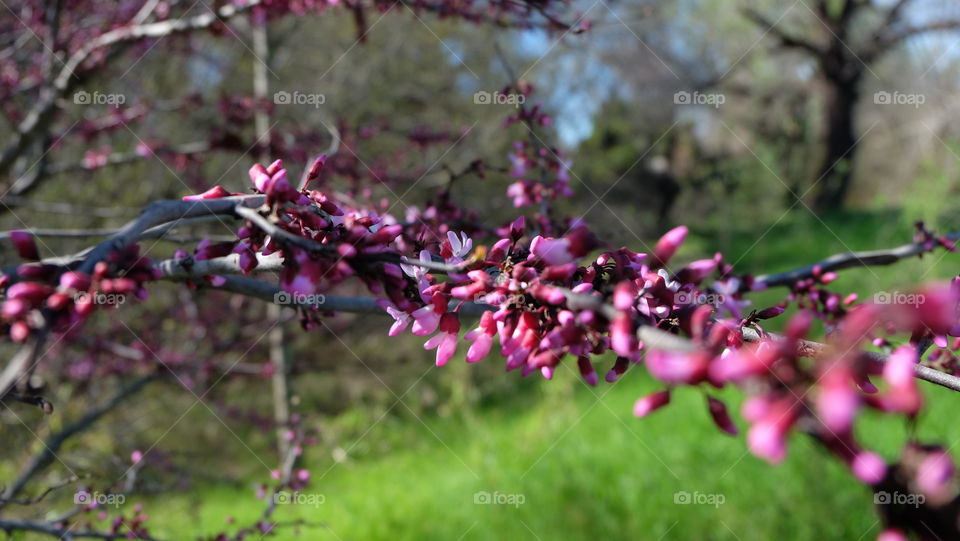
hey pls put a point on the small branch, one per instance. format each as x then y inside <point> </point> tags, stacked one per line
<point>62,533</point>
<point>846,261</point>
<point>55,442</point>
<point>304,243</point>
<point>160,212</point>
<point>33,400</point>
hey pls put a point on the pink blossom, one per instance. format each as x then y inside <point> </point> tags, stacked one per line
<point>445,341</point>
<point>401,318</point>
<point>25,246</point>
<point>482,338</point>
<point>720,416</point>
<point>869,467</point>
<point>650,403</point>
<point>668,244</point>
<point>552,251</point>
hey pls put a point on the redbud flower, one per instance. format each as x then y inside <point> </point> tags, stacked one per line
<point>935,472</point>
<point>892,534</point>
<point>720,416</point>
<point>668,245</point>
<point>550,250</point>
<point>445,341</point>
<point>401,318</point>
<point>898,371</point>
<point>213,193</point>
<point>869,467</point>
<point>25,246</point>
<point>482,338</point>
<point>650,403</point>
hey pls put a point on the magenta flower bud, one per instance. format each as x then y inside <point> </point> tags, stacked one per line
<point>25,246</point>
<point>624,295</point>
<point>551,251</point>
<point>75,280</point>
<point>868,467</point>
<point>651,403</point>
<point>277,165</point>
<point>548,294</point>
<point>385,235</point>
<point>623,339</point>
<point>216,192</point>
<point>15,308</point>
<point>619,368</point>
<point>587,372</point>
<point>19,331</point>
<point>32,292</point>
<point>892,534</point>
<point>697,271</point>
<point>935,472</point>
<point>278,188</point>
<point>837,405</point>
<point>673,367</point>
<point>345,249</point>
<point>58,301</point>
<point>668,245</point>
<point>559,273</point>
<point>314,172</point>
<point>767,441</point>
<point>499,250</point>
<point>720,416</point>
<point>769,313</point>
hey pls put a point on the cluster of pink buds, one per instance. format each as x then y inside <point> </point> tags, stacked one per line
<point>47,296</point>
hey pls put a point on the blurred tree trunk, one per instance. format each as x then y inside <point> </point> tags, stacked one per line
<point>835,173</point>
<point>842,62</point>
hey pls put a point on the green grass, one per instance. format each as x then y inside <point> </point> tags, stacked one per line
<point>587,469</point>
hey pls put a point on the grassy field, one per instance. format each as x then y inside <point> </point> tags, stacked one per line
<point>581,465</point>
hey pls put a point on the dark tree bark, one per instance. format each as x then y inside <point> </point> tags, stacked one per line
<point>842,64</point>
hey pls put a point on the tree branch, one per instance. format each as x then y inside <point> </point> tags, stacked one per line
<point>846,261</point>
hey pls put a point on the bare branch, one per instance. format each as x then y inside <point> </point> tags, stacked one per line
<point>846,261</point>
<point>55,442</point>
<point>786,39</point>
